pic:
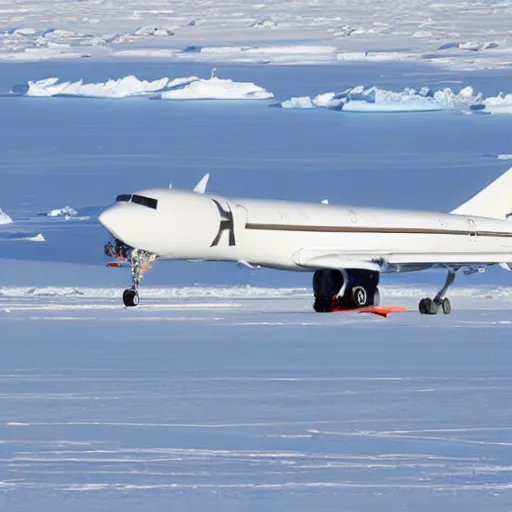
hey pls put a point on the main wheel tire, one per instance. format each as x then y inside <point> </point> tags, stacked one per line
<point>322,305</point>
<point>360,296</point>
<point>428,307</point>
<point>130,298</point>
<point>446,306</point>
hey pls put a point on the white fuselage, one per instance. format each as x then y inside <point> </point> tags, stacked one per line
<point>303,236</point>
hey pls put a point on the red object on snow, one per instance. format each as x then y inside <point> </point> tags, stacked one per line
<point>376,310</point>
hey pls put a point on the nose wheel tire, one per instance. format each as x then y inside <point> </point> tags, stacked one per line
<point>130,298</point>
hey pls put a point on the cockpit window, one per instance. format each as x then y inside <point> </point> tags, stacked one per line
<point>125,198</point>
<point>145,201</point>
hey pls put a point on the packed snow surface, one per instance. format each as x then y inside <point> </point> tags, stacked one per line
<point>229,398</point>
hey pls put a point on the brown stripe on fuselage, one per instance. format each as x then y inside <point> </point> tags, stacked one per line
<point>360,229</point>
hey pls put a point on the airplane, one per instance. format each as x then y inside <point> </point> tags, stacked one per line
<point>346,248</point>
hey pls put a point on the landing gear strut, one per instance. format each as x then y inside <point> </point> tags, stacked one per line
<point>140,261</point>
<point>440,302</point>
<point>347,289</point>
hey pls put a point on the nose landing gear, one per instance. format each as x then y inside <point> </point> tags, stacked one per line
<point>140,262</point>
<point>130,297</point>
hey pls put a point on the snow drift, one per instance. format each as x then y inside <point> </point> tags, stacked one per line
<point>374,99</point>
<point>4,218</point>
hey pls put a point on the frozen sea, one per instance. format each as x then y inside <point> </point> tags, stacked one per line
<point>223,391</point>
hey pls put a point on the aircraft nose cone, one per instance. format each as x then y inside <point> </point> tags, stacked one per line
<point>110,220</point>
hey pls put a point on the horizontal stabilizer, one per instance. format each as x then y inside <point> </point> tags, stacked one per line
<point>494,201</point>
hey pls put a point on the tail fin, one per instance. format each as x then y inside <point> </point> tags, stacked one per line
<point>494,201</point>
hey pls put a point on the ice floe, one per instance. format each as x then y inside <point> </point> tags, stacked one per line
<point>21,237</point>
<point>374,56</point>
<point>41,54</point>
<point>264,24</point>
<point>501,104</point>
<point>4,218</point>
<point>152,30</point>
<point>217,88</point>
<point>470,45</point>
<point>61,212</point>
<point>164,88</point>
<point>121,88</point>
<point>374,99</point>
<point>298,102</point>
<point>264,54</point>
<point>37,238</point>
<point>504,157</point>
<point>165,53</point>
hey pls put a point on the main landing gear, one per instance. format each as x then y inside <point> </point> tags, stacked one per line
<point>345,289</point>
<point>440,302</point>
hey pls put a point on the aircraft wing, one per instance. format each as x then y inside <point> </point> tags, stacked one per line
<point>382,262</point>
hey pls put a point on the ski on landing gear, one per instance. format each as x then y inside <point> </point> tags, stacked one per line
<point>440,303</point>
<point>138,260</point>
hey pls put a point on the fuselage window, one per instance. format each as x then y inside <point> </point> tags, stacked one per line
<point>125,198</point>
<point>145,201</point>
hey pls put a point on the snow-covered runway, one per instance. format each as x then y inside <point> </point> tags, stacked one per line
<point>243,399</point>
